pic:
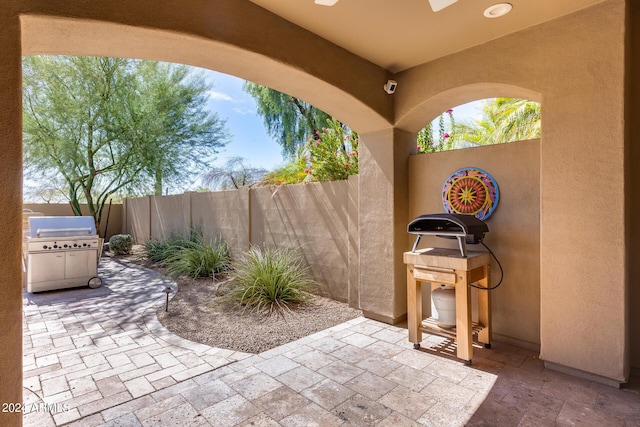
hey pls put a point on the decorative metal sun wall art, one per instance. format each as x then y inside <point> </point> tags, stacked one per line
<point>470,191</point>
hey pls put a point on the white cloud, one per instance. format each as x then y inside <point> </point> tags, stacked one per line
<point>244,111</point>
<point>220,96</point>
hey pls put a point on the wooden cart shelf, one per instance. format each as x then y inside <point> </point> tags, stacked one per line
<point>447,266</point>
<point>430,325</point>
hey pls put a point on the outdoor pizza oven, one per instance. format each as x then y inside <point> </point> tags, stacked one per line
<point>467,229</point>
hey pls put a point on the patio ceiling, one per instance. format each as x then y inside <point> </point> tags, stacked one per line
<point>400,34</point>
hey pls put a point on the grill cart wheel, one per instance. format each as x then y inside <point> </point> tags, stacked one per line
<point>95,282</point>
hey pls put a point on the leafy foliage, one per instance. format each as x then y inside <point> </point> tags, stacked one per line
<point>293,172</point>
<point>289,120</point>
<point>320,147</point>
<point>503,120</point>
<point>120,244</point>
<point>268,279</point>
<point>99,126</point>
<point>182,132</point>
<point>333,153</point>
<point>159,251</point>
<point>445,141</point>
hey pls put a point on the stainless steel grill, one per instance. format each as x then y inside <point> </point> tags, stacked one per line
<point>465,228</point>
<point>62,252</point>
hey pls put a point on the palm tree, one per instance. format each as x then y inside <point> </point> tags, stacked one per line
<point>504,120</point>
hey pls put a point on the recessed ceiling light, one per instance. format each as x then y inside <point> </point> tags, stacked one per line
<point>498,10</point>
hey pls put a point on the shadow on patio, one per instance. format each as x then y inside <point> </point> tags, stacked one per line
<point>107,361</point>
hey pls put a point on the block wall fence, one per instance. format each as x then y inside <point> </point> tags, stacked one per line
<point>322,220</point>
<point>318,218</point>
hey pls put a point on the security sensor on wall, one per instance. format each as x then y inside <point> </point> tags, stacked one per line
<point>390,86</point>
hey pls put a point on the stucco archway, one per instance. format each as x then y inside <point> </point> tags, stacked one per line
<point>238,38</point>
<point>581,74</point>
<point>515,226</point>
<point>346,94</point>
<point>428,109</point>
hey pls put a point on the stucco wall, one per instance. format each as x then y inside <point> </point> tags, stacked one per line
<point>313,218</point>
<point>383,203</point>
<point>354,242</point>
<point>575,66</point>
<point>137,218</point>
<point>514,227</point>
<point>317,218</point>
<point>223,214</point>
<point>10,211</point>
<point>170,215</point>
<point>633,187</point>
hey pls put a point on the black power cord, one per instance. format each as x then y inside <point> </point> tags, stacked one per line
<point>501,271</point>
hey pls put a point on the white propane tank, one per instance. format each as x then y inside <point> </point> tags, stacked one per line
<point>444,299</point>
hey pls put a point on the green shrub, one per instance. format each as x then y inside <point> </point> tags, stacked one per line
<point>159,251</point>
<point>268,279</point>
<point>199,258</point>
<point>121,244</point>
<point>333,153</point>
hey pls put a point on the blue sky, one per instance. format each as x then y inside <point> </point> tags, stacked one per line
<point>249,137</point>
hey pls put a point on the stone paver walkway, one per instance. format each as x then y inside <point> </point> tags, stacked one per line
<point>100,358</point>
<point>87,350</point>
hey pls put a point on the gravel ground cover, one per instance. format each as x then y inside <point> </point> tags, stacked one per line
<point>198,314</point>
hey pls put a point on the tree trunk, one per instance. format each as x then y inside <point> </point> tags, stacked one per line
<point>158,183</point>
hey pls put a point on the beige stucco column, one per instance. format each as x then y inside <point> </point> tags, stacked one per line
<point>382,222</point>
<point>574,66</point>
<point>633,202</point>
<point>10,213</point>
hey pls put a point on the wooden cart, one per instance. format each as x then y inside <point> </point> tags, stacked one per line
<point>447,266</point>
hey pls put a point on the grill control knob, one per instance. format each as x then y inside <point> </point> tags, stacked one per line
<point>55,246</point>
<point>75,245</point>
<point>66,246</point>
<point>84,244</point>
<point>44,246</point>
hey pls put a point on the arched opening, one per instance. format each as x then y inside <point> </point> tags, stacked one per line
<point>514,225</point>
<point>340,95</point>
<point>352,104</point>
<point>482,122</point>
<point>576,112</point>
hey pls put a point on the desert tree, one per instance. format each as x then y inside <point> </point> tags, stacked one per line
<point>111,125</point>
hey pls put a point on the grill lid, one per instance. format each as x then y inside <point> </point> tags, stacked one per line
<point>466,228</point>
<point>61,226</point>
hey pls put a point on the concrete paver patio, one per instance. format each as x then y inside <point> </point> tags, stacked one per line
<point>101,358</point>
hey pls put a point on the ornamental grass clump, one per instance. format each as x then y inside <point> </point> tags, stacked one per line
<point>269,279</point>
<point>159,251</point>
<point>194,256</point>
<point>200,258</point>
